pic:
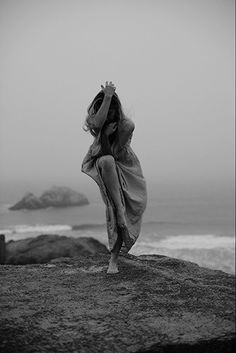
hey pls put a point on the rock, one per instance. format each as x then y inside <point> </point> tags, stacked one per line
<point>2,249</point>
<point>29,201</point>
<point>154,304</point>
<point>47,247</point>
<point>62,197</point>
<point>55,197</point>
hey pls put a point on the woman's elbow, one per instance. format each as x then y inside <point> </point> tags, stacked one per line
<point>132,126</point>
<point>129,126</point>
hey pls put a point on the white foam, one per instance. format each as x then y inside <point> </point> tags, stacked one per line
<point>205,250</point>
<point>194,242</point>
<point>191,242</point>
<point>5,231</point>
<point>25,228</point>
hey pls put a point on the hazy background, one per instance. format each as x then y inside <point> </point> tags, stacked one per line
<point>172,62</point>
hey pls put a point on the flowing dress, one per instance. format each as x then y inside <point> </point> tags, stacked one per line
<point>133,189</point>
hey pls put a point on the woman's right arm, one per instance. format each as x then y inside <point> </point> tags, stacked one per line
<point>97,120</point>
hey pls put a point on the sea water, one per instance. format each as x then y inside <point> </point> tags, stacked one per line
<point>198,228</point>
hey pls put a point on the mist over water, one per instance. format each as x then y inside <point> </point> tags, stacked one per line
<point>198,203</point>
<point>171,61</point>
<point>172,187</point>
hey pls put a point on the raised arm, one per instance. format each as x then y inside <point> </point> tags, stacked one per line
<point>97,120</point>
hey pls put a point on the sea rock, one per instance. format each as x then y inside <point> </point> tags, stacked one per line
<point>57,196</point>
<point>29,201</point>
<point>62,197</point>
<point>47,247</point>
<point>154,304</point>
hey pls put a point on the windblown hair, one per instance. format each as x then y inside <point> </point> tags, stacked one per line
<point>94,107</point>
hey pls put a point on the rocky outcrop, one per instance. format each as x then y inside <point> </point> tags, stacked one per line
<point>54,197</point>
<point>47,247</point>
<point>29,201</point>
<point>62,197</point>
<point>154,304</point>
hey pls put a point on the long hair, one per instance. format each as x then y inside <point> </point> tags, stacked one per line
<point>94,107</point>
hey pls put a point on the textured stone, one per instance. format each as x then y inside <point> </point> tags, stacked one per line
<point>154,304</point>
<point>47,247</point>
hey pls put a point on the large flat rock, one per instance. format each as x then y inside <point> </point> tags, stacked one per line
<point>155,304</point>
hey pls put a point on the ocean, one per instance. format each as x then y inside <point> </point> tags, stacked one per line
<point>197,227</point>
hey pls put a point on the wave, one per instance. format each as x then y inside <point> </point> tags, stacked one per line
<point>208,250</point>
<point>189,242</point>
<point>216,252</point>
<point>48,228</point>
<point>21,228</point>
<point>163,222</point>
<point>88,226</point>
<point>193,242</point>
<point>24,228</point>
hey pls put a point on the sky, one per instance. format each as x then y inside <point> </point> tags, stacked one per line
<point>172,62</point>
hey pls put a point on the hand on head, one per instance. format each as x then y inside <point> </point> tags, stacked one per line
<point>109,89</point>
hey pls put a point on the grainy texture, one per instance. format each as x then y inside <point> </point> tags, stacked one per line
<point>155,304</point>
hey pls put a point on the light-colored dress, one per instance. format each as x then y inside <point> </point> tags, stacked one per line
<point>133,189</point>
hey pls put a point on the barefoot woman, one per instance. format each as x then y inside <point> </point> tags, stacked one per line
<point>114,166</point>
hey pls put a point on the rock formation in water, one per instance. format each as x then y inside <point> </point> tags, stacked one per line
<point>54,197</point>
<point>29,201</point>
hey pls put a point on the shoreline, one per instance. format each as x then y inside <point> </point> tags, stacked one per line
<point>205,250</point>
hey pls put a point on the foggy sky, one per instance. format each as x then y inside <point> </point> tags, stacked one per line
<point>172,62</point>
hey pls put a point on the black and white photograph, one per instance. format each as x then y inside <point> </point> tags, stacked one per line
<point>117,176</point>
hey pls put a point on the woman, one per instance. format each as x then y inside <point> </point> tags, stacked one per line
<point>116,169</point>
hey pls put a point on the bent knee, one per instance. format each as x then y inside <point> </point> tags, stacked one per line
<point>106,162</point>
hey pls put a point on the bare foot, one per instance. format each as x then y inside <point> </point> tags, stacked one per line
<point>112,268</point>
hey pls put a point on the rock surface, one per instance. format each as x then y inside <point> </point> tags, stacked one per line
<point>55,197</point>
<point>154,304</point>
<point>46,247</point>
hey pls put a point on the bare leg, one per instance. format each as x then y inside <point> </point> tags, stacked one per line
<point>109,174</point>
